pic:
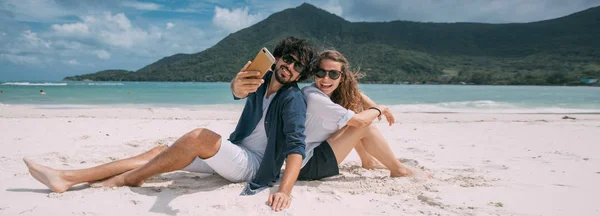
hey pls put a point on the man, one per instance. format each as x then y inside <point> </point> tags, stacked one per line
<point>269,132</point>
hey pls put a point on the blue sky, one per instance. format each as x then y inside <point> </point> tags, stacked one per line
<point>51,39</point>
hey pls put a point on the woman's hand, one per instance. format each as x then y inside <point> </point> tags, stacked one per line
<point>389,116</point>
<point>279,201</point>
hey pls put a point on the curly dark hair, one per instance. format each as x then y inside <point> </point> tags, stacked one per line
<point>305,52</point>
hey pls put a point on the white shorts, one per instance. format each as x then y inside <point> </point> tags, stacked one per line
<point>232,162</point>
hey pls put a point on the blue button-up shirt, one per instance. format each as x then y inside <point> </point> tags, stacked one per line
<point>284,126</point>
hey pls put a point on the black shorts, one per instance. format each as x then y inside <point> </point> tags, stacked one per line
<point>321,165</point>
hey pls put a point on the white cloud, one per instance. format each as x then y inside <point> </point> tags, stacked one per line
<point>18,59</point>
<point>113,30</point>
<point>27,42</point>
<point>71,62</point>
<point>72,29</point>
<point>496,11</point>
<point>142,5</point>
<point>68,45</point>
<point>102,54</point>
<point>34,10</point>
<point>26,49</point>
<point>31,40</point>
<point>117,33</point>
<point>233,20</point>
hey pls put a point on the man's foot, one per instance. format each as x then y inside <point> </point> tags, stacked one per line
<point>50,177</point>
<point>117,181</point>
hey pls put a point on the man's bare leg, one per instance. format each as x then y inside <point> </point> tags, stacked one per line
<point>367,160</point>
<point>201,143</point>
<point>374,143</point>
<point>61,180</point>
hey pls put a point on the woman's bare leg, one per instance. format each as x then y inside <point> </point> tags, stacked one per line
<point>367,160</point>
<point>201,143</point>
<point>374,143</point>
<point>61,180</point>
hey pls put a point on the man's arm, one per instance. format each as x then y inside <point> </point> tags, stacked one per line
<point>294,121</point>
<point>245,82</point>
<point>282,199</point>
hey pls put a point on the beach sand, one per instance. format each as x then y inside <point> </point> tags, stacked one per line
<point>483,164</point>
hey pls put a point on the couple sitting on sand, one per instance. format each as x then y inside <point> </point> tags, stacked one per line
<point>312,130</point>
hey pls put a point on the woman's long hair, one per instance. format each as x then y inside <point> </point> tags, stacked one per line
<point>347,93</point>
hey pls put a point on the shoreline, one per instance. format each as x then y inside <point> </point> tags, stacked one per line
<point>405,109</point>
<point>49,82</point>
<point>533,164</point>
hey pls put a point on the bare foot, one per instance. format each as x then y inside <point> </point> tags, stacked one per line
<point>409,162</point>
<point>374,164</point>
<point>411,172</point>
<point>116,181</point>
<point>50,177</point>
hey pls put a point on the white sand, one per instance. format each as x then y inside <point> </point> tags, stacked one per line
<point>531,164</point>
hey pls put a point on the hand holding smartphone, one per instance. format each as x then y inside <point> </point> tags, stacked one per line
<point>262,62</point>
<point>250,77</point>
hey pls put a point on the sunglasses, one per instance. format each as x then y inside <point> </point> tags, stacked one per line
<point>289,59</point>
<point>333,74</point>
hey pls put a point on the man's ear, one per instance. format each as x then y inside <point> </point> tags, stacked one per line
<point>297,78</point>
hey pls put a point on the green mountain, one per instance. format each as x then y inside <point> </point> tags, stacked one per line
<point>558,51</point>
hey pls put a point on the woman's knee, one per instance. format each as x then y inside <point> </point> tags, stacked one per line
<point>363,131</point>
<point>370,128</point>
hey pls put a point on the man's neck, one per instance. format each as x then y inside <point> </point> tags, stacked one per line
<point>274,86</point>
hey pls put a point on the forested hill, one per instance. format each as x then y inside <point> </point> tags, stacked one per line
<point>557,51</point>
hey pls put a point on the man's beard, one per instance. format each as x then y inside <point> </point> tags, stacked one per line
<point>281,79</point>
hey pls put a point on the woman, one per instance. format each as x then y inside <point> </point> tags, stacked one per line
<point>339,118</point>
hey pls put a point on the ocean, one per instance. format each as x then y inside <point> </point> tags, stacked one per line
<point>404,98</point>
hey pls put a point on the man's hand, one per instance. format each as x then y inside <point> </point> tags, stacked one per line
<point>279,201</point>
<point>282,199</point>
<point>246,82</point>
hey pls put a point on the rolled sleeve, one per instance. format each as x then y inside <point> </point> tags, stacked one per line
<point>294,119</point>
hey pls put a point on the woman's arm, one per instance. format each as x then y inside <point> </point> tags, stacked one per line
<point>367,102</point>
<point>364,118</point>
<point>367,116</point>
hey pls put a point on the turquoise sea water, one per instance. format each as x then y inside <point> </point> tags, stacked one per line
<point>408,98</point>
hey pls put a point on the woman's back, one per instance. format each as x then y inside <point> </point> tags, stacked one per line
<point>323,117</point>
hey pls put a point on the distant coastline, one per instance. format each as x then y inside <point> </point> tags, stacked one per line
<point>556,52</point>
<point>574,83</point>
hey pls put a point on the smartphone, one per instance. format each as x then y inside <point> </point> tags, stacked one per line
<point>262,62</point>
